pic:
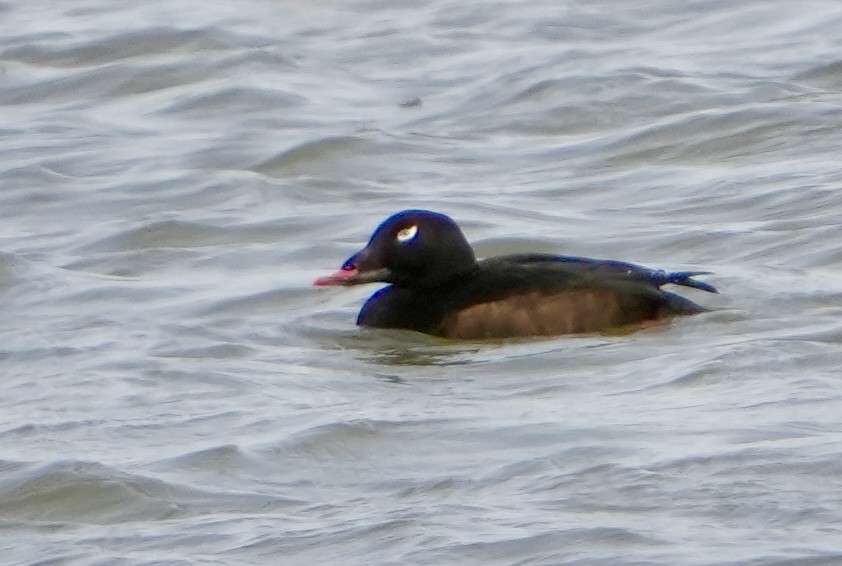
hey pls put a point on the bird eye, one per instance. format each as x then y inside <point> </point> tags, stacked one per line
<point>407,233</point>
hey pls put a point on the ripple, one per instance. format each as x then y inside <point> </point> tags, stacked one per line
<point>217,459</point>
<point>827,75</point>
<point>709,136</point>
<point>563,545</point>
<point>76,491</point>
<point>84,492</point>
<point>234,99</point>
<point>119,47</point>
<point>316,153</point>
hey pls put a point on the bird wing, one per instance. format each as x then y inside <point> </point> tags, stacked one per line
<point>605,269</point>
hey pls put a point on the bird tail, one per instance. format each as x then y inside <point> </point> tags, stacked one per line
<point>685,279</point>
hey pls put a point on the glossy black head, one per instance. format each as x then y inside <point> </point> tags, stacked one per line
<point>413,248</point>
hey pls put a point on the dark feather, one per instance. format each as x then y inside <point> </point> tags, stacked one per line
<point>613,269</point>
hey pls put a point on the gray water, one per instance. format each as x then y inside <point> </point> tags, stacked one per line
<point>175,174</point>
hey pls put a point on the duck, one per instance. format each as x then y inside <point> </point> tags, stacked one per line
<point>435,285</point>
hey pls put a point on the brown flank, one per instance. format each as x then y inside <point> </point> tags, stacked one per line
<point>538,314</point>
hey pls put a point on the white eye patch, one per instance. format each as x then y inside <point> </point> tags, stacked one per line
<point>407,234</point>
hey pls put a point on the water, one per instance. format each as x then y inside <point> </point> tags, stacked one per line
<point>175,175</point>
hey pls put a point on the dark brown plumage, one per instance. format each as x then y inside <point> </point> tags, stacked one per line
<point>437,286</point>
<point>538,314</point>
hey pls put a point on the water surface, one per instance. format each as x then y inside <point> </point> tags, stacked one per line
<point>175,175</point>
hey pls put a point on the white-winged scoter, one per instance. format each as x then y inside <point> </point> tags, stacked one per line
<point>437,286</point>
